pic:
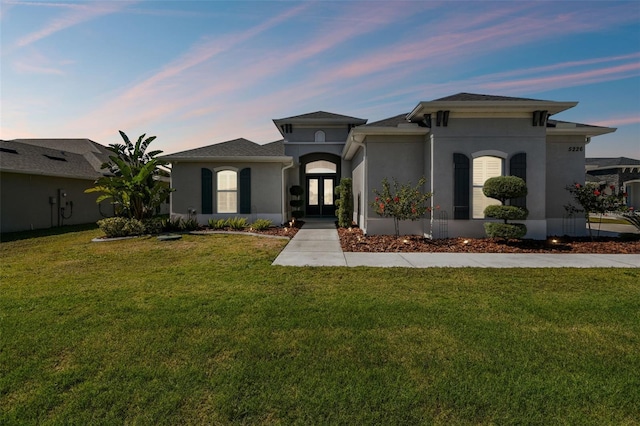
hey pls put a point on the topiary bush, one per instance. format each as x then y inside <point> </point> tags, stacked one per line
<point>297,203</point>
<point>507,231</point>
<point>114,227</point>
<point>344,203</point>
<point>504,188</point>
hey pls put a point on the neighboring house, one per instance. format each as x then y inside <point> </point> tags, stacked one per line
<point>621,172</point>
<point>42,183</point>
<point>456,142</point>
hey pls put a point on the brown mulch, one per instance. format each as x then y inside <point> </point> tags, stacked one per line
<point>352,240</point>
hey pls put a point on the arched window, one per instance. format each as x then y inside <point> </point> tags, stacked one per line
<point>321,166</point>
<point>227,191</point>
<point>484,168</point>
<point>319,137</point>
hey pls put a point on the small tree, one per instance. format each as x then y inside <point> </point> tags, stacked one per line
<point>345,203</point>
<point>401,202</point>
<point>134,188</point>
<point>504,188</point>
<point>595,199</point>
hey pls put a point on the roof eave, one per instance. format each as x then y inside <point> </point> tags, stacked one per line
<point>229,159</point>
<point>490,106</point>
<point>357,136</point>
<point>580,131</point>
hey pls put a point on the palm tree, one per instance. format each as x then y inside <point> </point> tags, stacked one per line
<point>134,187</point>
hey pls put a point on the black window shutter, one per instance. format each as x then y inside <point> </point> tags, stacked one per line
<point>206,177</point>
<point>518,167</point>
<point>245,191</point>
<point>461,187</point>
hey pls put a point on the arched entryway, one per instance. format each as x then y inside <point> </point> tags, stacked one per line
<point>320,173</point>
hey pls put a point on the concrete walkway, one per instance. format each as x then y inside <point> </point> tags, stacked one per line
<point>317,244</point>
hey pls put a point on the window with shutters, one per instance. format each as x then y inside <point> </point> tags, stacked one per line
<point>484,168</point>
<point>227,191</point>
<point>206,177</point>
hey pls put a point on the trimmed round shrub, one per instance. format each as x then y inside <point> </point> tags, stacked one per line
<point>504,187</point>
<point>506,212</point>
<point>296,203</point>
<point>297,214</point>
<point>296,190</point>
<point>505,230</point>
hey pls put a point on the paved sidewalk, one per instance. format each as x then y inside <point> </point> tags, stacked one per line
<point>317,244</point>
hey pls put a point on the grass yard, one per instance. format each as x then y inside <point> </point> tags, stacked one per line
<point>204,331</point>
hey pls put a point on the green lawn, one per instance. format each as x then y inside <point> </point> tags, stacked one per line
<point>204,331</point>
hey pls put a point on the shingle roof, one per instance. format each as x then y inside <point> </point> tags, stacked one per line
<point>19,156</point>
<point>390,122</point>
<point>610,162</point>
<point>478,97</point>
<point>322,115</point>
<point>234,148</point>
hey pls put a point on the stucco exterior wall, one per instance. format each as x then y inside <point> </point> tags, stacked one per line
<point>359,187</point>
<point>396,157</point>
<point>501,137</point>
<point>565,166</point>
<point>25,202</point>
<point>266,190</point>
<point>308,133</point>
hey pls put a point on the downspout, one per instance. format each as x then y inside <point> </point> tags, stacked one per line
<point>365,197</point>
<point>284,193</point>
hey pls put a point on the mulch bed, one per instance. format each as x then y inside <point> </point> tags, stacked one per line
<point>352,240</point>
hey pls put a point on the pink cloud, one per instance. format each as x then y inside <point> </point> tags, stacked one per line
<point>617,121</point>
<point>570,79</point>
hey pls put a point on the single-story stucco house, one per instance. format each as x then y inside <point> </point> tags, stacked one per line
<point>43,182</point>
<point>456,143</point>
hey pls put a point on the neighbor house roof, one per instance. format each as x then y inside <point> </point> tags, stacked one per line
<point>71,158</point>
<point>607,163</point>
<point>322,116</point>
<point>474,103</point>
<point>233,150</point>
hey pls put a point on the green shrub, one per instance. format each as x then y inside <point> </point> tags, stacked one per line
<point>114,227</point>
<point>297,214</point>
<point>505,230</point>
<point>217,223</point>
<point>173,224</point>
<point>189,225</point>
<point>237,223</point>
<point>506,212</point>
<point>153,225</point>
<point>296,203</point>
<point>344,203</point>
<point>261,224</point>
<point>503,188</point>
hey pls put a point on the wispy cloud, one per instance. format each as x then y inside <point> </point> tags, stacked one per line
<point>78,13</point>
<point>617,121</point>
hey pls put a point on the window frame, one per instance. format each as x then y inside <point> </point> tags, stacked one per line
<point>235,191</point>
<point>502,156</point>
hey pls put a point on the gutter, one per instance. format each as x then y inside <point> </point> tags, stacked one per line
<point>284,192</point>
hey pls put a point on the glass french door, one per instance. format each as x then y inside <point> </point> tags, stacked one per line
<point>320,196</point>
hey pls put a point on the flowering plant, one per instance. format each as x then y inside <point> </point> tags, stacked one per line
<point>596,199</point>
<point>401,202</point>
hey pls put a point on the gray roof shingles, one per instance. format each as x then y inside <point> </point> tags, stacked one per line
<point>610,162</point>
<point>50,161</point>
<point>234,148</point>
<point>322,115</point>
<point>478,97</point>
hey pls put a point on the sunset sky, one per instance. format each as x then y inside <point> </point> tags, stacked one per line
<point>195,73</point>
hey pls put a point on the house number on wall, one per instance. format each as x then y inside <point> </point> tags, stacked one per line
<point>576,148</point>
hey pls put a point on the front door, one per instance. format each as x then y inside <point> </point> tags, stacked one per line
<point>320,197</point>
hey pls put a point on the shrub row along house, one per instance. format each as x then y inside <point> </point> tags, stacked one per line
<point>456,142</point>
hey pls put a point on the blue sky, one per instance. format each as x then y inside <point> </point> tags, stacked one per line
<point>202,72</point>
